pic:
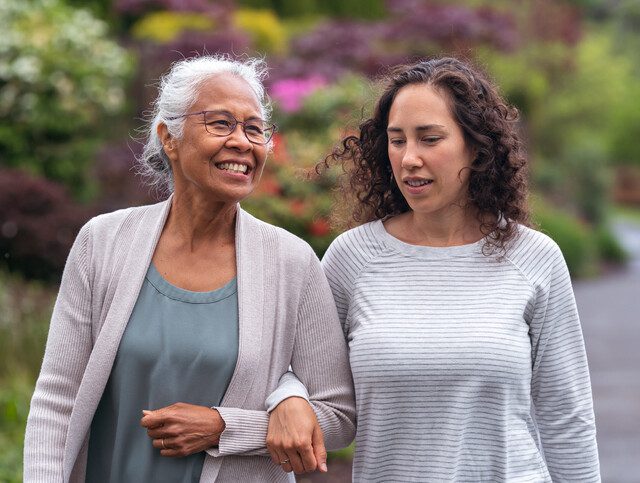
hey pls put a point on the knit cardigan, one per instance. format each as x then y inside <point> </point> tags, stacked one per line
<point>286,317</point>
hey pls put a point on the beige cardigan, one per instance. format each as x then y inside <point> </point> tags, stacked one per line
<point>286,316</point>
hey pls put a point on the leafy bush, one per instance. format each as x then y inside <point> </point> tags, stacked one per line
<point>15,395</point>
<point>140,7</point>
<point>39,223</point>
<point>266,31</point>
<point>166,26</point>
<point>288,198</point>
<point>25,310</point>
<point>574,238</point>
<point>334,8</point>
<point>609,248</point>
<point>413,29</point>
<point>60,80</point>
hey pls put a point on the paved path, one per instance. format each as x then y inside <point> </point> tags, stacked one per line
<point>610,314</point>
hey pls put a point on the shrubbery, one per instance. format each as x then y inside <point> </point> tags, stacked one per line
<point>38,223</point>
<point>61,78</point>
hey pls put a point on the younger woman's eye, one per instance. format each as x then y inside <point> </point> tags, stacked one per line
<point>396,142</point>
<point>431,139</point>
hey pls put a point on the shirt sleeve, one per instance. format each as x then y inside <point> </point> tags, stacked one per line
<point>561,388</point>
<point>327,379</point>
<point>66,356</point>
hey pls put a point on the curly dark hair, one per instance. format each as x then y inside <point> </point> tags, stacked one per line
<point>498,179</point>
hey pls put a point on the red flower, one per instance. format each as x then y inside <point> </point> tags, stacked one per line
<point>319,227</point>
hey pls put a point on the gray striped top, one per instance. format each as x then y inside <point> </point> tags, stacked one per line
<point>467,368</point>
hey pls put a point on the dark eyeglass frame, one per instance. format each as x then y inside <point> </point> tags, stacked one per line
<point>272,128</point>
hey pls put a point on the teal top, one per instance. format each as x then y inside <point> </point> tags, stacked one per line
<point>179,346</point>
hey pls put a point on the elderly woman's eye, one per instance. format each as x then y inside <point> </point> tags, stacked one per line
<point>255,128</point>
<point>219,122</point>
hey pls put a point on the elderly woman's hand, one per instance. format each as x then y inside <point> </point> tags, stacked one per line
<point>294,438</point>
<point>183,429</point>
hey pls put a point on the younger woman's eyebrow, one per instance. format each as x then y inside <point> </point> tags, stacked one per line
<point>426,127</point>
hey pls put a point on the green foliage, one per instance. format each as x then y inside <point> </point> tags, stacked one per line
<point>60,80</point>
<point>165,26</point>
<point>579,107</point>
<point>342,454</point>
<point>25,309</point>
<point>15,395</point>
<point>338,105</point>
<point>370,9</point>
<point>573,237</point>
<point>267,32</point>
<point>609,248</point>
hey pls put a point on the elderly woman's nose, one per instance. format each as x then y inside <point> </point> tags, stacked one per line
<point>238,138</point>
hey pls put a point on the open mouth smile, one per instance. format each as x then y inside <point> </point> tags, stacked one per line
<point>234,167</point>
<point>416,183</point>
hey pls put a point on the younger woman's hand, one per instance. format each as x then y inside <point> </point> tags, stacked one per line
<point>294,438</point>
<point>183,429</point>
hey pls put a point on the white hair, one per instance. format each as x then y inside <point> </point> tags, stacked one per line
<point>178,91</point>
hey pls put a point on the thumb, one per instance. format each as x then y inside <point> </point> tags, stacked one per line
<point>320,452</point>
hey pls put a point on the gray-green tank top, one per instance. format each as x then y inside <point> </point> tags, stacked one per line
<point>179,346</point>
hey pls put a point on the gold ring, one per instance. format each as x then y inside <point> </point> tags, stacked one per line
<point>285,461</point>
<point>163,446</point>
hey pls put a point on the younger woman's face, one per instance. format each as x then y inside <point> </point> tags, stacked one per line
<point>428,151</point>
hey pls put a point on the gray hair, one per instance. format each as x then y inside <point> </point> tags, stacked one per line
<point>178,91</point>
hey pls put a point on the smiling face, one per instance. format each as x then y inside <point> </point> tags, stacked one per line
<point>222,168</point>
<point>427,150</point>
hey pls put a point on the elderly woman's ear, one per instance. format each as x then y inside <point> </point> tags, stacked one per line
<point>167,141</point>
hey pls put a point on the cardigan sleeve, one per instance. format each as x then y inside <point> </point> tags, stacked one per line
<point>66,355</point>
<point>321,361</point>
<point>333,264</point>
<point>327,379</point>
<point>561,389</point>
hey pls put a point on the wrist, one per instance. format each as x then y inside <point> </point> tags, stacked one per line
<point>217,428</point>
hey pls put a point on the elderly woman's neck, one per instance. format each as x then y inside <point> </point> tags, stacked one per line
<point>196,219</point>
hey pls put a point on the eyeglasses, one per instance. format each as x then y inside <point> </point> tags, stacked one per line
<point>221,124</point>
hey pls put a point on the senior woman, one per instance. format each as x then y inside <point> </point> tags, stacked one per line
<point>175,321</point>
<point>465,343</point>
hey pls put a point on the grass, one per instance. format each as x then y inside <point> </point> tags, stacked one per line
<point>25,310</point>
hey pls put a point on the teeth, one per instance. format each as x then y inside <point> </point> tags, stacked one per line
<point>416,183</point>
<point>238,168</point>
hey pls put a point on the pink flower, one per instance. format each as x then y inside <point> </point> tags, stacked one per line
<point>290,93</point>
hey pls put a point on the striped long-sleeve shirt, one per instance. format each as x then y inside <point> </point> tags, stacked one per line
<point>467,368</point>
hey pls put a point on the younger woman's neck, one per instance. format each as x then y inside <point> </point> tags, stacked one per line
<point>454,228</point>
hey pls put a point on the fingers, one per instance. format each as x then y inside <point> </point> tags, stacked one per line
<point>320,452</point>
<point>151,419</point>
<point>296,462</point>
<point>307,458</point>
<point>284,461</point>
<point>160,432</point>
<point>166,447</point>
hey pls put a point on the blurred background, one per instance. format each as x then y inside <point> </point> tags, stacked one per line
<point>77,76</point>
